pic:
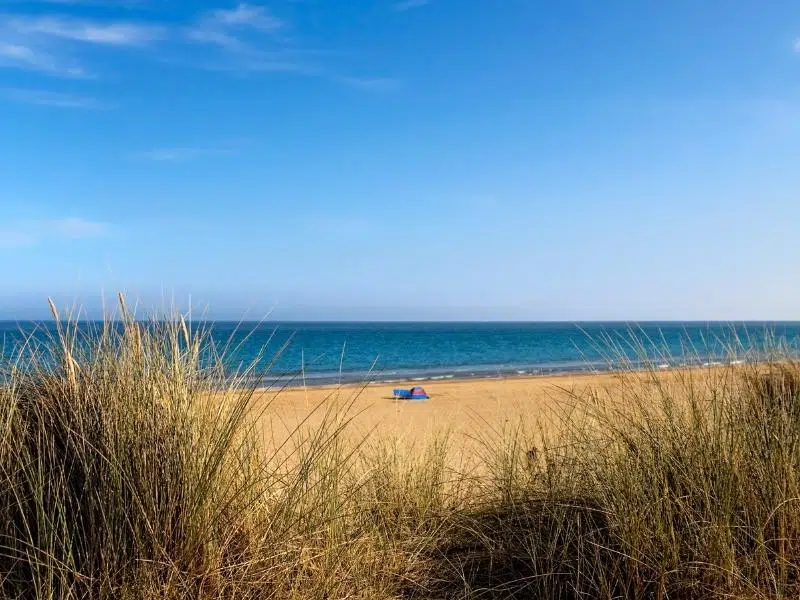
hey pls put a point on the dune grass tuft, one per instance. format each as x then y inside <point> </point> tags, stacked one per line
<point>132,465</point>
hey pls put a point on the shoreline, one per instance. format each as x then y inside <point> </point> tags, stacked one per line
<point>521,378</point>
<point>352,381</point>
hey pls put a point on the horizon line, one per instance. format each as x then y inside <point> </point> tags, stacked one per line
<point>114,318</point>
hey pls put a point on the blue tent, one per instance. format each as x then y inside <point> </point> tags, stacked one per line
<point>415,393</point>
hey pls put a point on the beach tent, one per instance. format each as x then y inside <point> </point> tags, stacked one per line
<point>415,393</point>
<point>419,393</point>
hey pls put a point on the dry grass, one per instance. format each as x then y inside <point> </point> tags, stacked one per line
<point>124,476</point>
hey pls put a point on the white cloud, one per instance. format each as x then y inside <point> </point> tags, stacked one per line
<point>269,62</point>
<point>172,154</point>
<point>80,30</point>
<point>48,98</point>
<point>248,15</point>
<point>219,38</point>
<point>29,233</point>
<point>408,5</point>
<point>240,33</point>
<point>373,84</point>
<point>40,43</point>
<point>22,54</point>
<point>797,45</point>
<point>243,39</point>
<point>252,51</point>
<point>186,153</point>
<point>26,57</point>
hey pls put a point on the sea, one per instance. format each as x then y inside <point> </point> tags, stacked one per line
<point>317,353</point>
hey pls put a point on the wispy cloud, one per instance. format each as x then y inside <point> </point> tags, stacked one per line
<point>27,57</point>
<point>408,5</point>
<point>93,32</point>
<point>31,232</point>
<point>372,84</point>
<point>216,37</point>
<point>797,45</point>
<point>48,98</point>
<point>247,15</point>
<point>247,38</point>
<point>48,43</point>
<point>188,153</point>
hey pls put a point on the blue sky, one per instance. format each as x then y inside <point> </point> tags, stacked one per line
<point>471,159</point>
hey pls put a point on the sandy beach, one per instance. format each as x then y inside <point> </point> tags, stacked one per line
<point>467,408</point>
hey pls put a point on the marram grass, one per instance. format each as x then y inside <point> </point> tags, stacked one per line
<point>128,471</point>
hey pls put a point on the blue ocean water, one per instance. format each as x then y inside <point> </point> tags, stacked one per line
<point>317,353</point>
